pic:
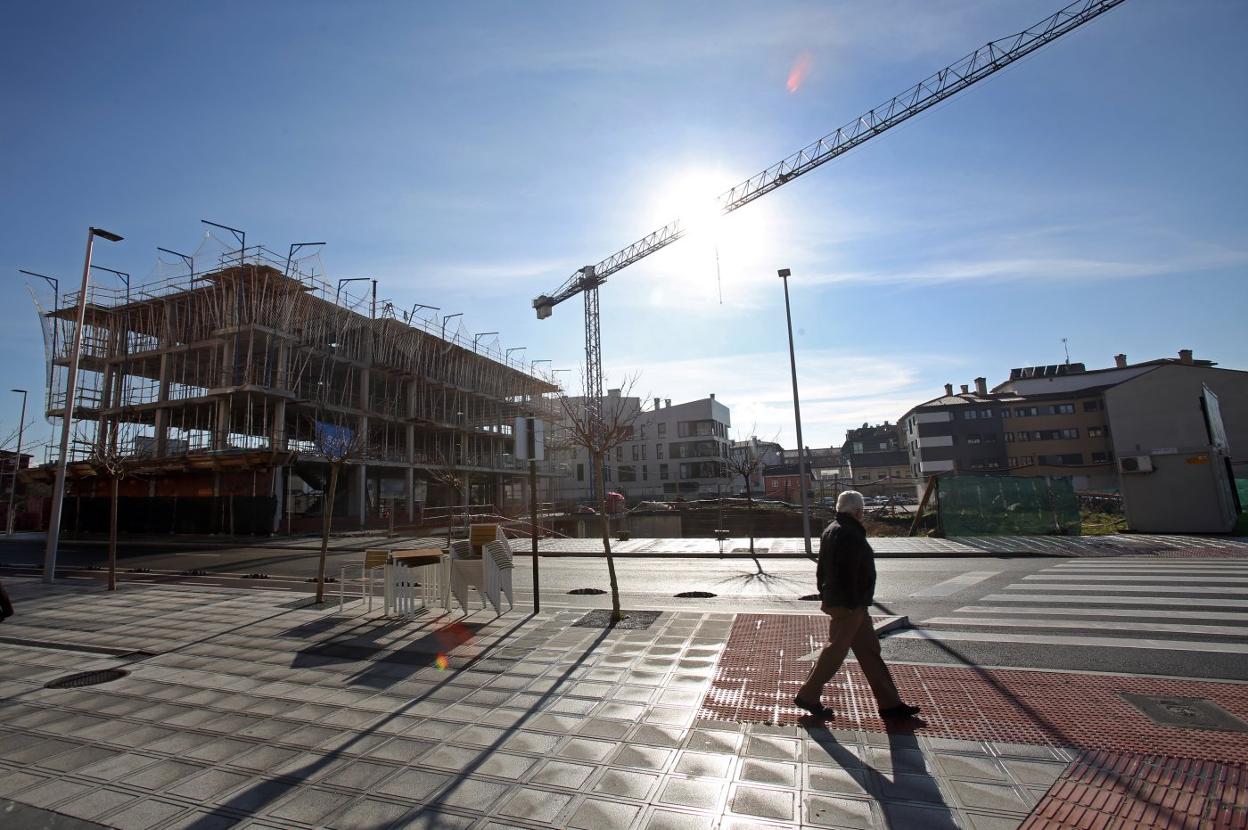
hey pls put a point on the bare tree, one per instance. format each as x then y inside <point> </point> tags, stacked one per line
<point>449,474</point>
<point>599,427</point>
<point>747,463</point>
<point>108,462</point>
<point>337,444</point>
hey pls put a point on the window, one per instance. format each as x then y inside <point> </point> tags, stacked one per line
<point>1096,432</point>
<point>628,473</point>
<point>636,453</point>
<point>1062,460</point>
<point>645,473</point>
<point>619,453</point>
<point>606,473</point>
<point>985,413</point>
<point>973,438</point>
<point>682,429</point>
<point>1025,411</point>
<point>883,445</point>
<point>643,452</point>
<point>1005,413</point>
<point>662,430</point>
<point>1009,436</point>
<point>990,438</point>
<point>658,451</point>
<point>580,472</point>
<point>969,415</point>
<point>1102,457</point>
<point>1091,406</point>
<point>663,472</point>
<point>643,432</point>
<point>881,476</point>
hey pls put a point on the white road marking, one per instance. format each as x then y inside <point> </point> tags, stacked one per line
<point>1085,625</point>
<point>1165,589</point>
<point>957,583</point>
<point>1083,600</point>
<point>1171,614</point>
<point>1220,579</point>
<point>1066,640</point>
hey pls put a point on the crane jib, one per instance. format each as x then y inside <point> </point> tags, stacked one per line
<point>984,61</point>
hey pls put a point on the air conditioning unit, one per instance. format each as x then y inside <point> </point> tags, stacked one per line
<point>1135,464</point>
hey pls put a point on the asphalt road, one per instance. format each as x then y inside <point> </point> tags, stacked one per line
<point>1175,617</point>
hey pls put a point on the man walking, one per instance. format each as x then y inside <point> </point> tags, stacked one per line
<point>846,577</point>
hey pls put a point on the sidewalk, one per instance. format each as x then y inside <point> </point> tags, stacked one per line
<point>1124,544</point>
<point>248,709</point>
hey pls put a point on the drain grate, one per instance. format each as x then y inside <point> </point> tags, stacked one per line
<point>633,620</point>
<point>1186,712</point>
<point>86,678</point>
<point>695,595</point>
<point>586,591</point>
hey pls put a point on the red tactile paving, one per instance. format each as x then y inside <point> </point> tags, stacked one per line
<point>759,672</point>
<point>1102,790</point>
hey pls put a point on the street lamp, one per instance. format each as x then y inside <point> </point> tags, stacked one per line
<point>345,280</point>
<point>447,317</point>
<point>533,365</point>
<point>56,304</point>
<point>241,236</point>
<point>189,260</point>
<point>797,415</point>
<point>124,277</point>
<point>67,419</point>
<point>513,349</point>
<point>476,338</point>
<point>294,247</point>
<point>17,462</point>
<point>416,307</point>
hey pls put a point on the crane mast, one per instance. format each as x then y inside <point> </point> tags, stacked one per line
<point>945,83</point>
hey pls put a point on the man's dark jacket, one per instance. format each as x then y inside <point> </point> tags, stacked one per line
<point>846,572</point>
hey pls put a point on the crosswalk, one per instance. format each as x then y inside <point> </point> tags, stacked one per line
<point>1161,604</point>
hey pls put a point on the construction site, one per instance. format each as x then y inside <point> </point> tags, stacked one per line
<point>221,395</point>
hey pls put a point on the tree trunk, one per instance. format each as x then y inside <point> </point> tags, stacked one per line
<point>749,505</point>
<point>599,461</point>
<point>325,527</point>
<point>112,536</point>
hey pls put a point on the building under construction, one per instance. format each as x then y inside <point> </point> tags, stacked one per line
<point>222,396</point>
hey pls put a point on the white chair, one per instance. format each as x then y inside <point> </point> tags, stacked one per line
<point>466,571</point>
<point>413,581</point>
<point>497,567</point>
<point>363,575</point>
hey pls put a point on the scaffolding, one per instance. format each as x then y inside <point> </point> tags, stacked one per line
<point>235,368</point>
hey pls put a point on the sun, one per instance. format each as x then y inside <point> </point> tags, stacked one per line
<point>691,197</point>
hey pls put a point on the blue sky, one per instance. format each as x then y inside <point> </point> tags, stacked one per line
<point>472,156</point>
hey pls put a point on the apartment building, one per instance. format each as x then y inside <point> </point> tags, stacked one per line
<point>673,451</point>
<point>958,433</point>
<point>767,453</point>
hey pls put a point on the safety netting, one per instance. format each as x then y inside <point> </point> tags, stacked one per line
<point>1008,505</point>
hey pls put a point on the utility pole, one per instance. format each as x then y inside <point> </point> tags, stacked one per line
<point>67,419</point>
<point>17,462</point>
<point>533,531</point>
<point>797,414</point>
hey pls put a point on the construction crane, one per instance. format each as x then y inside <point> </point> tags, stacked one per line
<point>984,61</point>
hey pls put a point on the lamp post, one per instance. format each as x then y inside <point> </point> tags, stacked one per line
<point>416,307</point>
<point>189,260</point>
<point>513,349</point>
<point>124,278</point>
<point>56,304</point>
<point>294,248</point>
<point>797,415</point>
<point>344,281</point>
<point>476,338</point>
<point>67,419</point>
<point>447,317</point>
<point>17,462</point>
<point>533,365</point>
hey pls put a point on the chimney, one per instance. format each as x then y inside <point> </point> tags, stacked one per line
<point>948,388</point>
<point>712,396</point>
<point>1185,357</point>
<point>656,404</point>
<point>667,403</point>
<point>613,393</point>
<point>981,386</point>
<point>1120,361</point>
<point>965,390</point>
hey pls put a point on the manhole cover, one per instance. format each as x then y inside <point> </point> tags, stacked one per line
<point>86,678</point>
<point>694,595</point>
<point>633,620</point>
<point>586,591</point>
<point>1186,712</point>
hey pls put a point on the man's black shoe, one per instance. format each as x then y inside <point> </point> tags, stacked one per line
<point>901,710</point>
<point>816,709</point>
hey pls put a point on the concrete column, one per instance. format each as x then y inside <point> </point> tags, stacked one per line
<point>359,485</point>
<point>221,426</point>
<point>277,433</point>
<point>280,492</point>
<point>162,414</point>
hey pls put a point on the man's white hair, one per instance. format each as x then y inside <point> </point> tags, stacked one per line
<point>850,502</point>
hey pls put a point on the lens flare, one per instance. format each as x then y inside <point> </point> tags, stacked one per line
<point>797,75</point>
<point>441,663</point>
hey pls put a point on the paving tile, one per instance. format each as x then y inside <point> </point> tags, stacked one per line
<point>832,811</point>
<point>597,814</point>
<point>1034,773</point>
<point>987,821</point>
<point>762,803</point>
<point>471,794</point>
<point>836,780</point>
<point>451,757</point>
<point>202,820</point>
<point>714,741</point>
<point>915,815</point>
<point>259,794</point>
<point>15,782</point>
<point>905,786</point>
<point>626,784</point>
<point>435,819</point>
<point>960,766</point>
<point>264,758</point>
<point>535,805</point>
<point>701,793</point>
<point>771,747</point>
<point>642,757</point>
<point>307,805</point>
<point>987,796</point>
<point>535,742</point>
<point>609,729</point>
<point>663,819</point>
<point>775,773</point>
<point>909,760</point>
<point>143,815</point>
<point>403,750</point>
<point>709,764</point>
<point>563,774</point>
<point>52,791</point>
<point>117,766</point>
<point>161,775</point>
<point>209,785</point>
<point>585,749</point>
<point>414,784</point>
<point>23,751</point>
<point>368,814</point>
